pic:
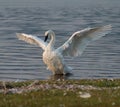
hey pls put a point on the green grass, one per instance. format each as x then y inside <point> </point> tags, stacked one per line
<point>107,94</point>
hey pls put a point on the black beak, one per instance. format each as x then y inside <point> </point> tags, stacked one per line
<point>46,37</point>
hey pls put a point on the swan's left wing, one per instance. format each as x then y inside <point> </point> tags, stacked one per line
<point>76,44</point>
<point>32,40</point>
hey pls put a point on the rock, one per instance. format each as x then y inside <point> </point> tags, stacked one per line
<point>84,95</point>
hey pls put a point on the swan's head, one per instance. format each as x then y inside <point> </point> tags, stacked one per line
<point>48,33</point>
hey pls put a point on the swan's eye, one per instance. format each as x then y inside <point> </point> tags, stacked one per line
<point>46,37</point>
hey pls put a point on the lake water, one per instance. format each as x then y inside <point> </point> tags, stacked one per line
<point>21,61</point>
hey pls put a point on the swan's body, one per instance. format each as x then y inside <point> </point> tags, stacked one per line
<point>74,46</point>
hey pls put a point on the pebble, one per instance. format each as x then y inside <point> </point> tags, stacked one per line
<point>84,95</point>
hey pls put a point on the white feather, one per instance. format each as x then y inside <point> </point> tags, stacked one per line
<point>32,40</point>
<point>74,46</point>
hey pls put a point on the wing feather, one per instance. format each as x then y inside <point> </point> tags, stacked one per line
<point>32,40</point>
<point>76,44</point>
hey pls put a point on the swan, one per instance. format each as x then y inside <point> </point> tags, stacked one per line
<point>73,47</point>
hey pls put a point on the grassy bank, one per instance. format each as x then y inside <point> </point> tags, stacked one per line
<point>64,93</point>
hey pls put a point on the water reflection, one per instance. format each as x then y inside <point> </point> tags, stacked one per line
<point>61,77</point>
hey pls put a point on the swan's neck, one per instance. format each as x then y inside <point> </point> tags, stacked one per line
<point>52,41</point>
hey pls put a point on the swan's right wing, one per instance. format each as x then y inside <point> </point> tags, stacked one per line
<point>32,40</point>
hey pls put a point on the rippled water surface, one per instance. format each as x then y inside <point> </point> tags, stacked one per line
<point>21,61</point>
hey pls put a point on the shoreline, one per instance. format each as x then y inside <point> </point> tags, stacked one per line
<point>88,84</point>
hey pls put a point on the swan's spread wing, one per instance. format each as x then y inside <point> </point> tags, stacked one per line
<point>76,44</point>
<point>32,40</point>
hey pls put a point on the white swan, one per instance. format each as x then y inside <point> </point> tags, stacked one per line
<point>74,46</point>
